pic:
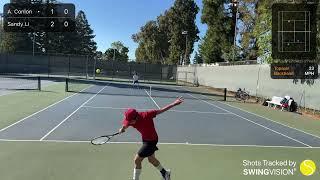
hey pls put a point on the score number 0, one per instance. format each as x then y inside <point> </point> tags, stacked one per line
<point>65,24</point>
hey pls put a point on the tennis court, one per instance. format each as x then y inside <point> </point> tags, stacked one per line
<point>205,134</point>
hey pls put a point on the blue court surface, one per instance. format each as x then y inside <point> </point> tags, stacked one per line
<point>98,110</point>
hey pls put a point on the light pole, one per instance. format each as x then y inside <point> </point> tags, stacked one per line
<point>235,4</point>
<point>1,27</point>
<point>33,41</point>
<point>185,55</point>
<point>1,15</point>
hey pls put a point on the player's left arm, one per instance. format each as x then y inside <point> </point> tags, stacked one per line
<point>169,106</point>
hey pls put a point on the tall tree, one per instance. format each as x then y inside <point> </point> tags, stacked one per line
<point>150,40</point>
<point>182,17</point>
<point>118,51</point>
<point>197,59</point>
<point>247,17</point>
<point>262,30</point>
<point>219,36</point>
<point>84,43</point>
<point>162,41</point>
<point>16,42</point>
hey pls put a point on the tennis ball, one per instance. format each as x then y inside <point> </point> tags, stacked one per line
<point>98,71</point>
<point>307,167</point>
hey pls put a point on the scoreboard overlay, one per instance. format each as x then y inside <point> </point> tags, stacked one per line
<point>39,17</point>
<point>294,31</point>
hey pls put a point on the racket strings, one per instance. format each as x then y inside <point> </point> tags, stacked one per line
<point>101,140</point>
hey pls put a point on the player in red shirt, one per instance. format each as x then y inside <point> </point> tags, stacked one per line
<point>143,122</point>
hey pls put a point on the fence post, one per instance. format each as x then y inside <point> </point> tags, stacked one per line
<point>69,66</point>
<point>6,64</point>
<point>67,84</point>
<point>186,81</point>
<point>112,69</point>
<point>145,72</point>
<point>39,83</point>
<point>161,72</point>
<point>94,68</point>
<point>87,75</point>
<point>49,65</point>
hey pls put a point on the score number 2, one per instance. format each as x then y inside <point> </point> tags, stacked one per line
<point>65,24</point>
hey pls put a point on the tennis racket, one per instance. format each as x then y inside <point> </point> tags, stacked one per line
<point>102,139</point>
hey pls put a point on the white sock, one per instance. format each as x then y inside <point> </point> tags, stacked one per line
<point>159,167</point>
<point>136,173</point>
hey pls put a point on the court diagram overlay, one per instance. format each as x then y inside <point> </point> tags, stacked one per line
<point>294,31</point>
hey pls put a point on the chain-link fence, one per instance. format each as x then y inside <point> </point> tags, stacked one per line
<point>85,66</point>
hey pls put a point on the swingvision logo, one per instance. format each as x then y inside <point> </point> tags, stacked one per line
<point>278,167</point>
<point>308,167</point>
<point>269,167</point>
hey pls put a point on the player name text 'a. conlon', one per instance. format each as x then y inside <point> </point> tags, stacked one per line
<point>20,12</point>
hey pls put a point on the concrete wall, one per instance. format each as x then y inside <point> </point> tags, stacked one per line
<point>257,80</point>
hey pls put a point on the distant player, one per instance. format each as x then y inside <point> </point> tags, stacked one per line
<point>135,79</point>
<point>143,122</point>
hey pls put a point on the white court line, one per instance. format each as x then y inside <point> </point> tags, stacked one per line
<point>272,121</point>
<point>186,144</point>
<point>200,112</point>
<point>42,110</point>
<point>260,125</point>
<point>153,100</point>
<point>106,107</point>
<point>71,114</point>
<point>251,121</point>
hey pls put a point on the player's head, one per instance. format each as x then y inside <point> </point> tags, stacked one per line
<point>131,116</point>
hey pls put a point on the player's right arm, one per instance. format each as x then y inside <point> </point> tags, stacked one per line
<point>123,129</point>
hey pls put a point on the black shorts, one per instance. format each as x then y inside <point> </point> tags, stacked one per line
<point>148,148</point>
<point>135,82</point>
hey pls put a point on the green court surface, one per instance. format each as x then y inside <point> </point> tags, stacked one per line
<point>82,161</point>
<point>20,104</point>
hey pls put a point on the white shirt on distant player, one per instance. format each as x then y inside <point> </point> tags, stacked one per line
<point>135,78</point>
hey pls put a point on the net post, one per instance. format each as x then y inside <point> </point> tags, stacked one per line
<point>225,94</point>
<point>48,66</point>
<point>67,84</point>
<point>69,66</point>
<point>39,83</point>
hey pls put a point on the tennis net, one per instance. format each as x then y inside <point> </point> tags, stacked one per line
<point>151,90</point>
<point>8,82</point>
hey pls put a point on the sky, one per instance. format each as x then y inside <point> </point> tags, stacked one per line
<point>117,20</point>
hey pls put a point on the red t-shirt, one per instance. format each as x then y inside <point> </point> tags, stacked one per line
<point>145,125</point>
